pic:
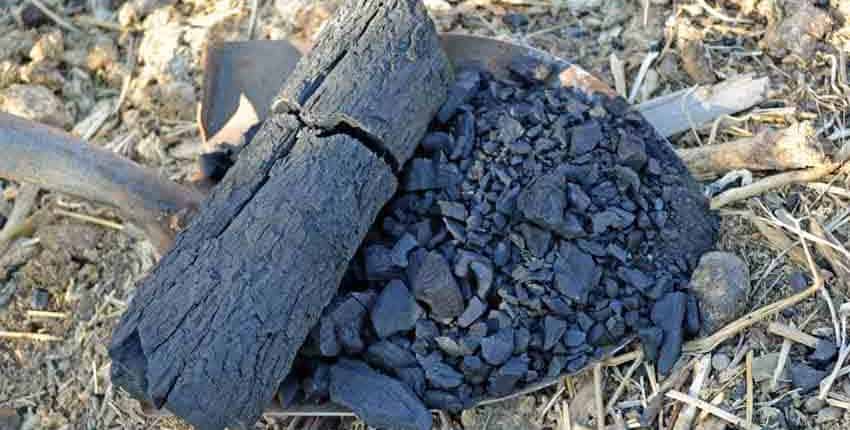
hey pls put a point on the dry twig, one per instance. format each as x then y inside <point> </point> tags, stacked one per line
<point>712,409</point>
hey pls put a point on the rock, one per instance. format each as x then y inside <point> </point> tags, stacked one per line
<point>720,361</point>
<point>813,405</point>
<point>720,283</point>
<point>394,310</point>
<point>413,377</point>
<point>36,103</point>
<point>669,314</point>
<point>553,331</point>
<point>830,414</point>
<point>576,273</point>
<point>824,354</point>
<point>764,366</point>
<point>441,375</point>
<point>441,400</point>
<point>543,202</point>
<point>574,338</point>
<point>585,137</point>
<point>434,285</point>
<point>806,378</point>
<point>389,356</point>
<point>473,311</point>
<point>498,348</point>
<point>378,400</point>
<point>505,378</point>
<point>465,86</point>
<point>801,26</point>
<point>40,299</point>
<point>631,151</point>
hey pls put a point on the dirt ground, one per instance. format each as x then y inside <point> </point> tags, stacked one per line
<point>127,76</point>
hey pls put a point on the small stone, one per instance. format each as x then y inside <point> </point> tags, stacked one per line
<point>543,202</point>
<point>394,310</point>
<point>498,348</point>
<point>441,400</point>
<point>434,285</point>
<point>537,240</point>
<point>452,210</point>
<point>720,283</point>
<point>35,102</point>
<point>450,346</point>
<point>574,337</point>
<point>631,151</point>
<point>585,138</point>
<point>813,405</point>
<point>483,272</point>
<point>553,330</point>
<point>505,378</point>
<point>378,400</point>
<point>825,352</point>
<point>669,314</point>
<point>389,356</point>
<point>32,16</point>
<point>806,378</point>
<point>380,264</point>
<point>502,254</point>
<point>578,199</point>
<point>465,86</point>
<point>576,273</point>
<point>651,339</point>
<point>40,299</point>
<point>474,310</point>
<point>720,361</point>
<point>441,375</point>
<point>830,414</point>
<point>402,248</point>
<point>474,369</point>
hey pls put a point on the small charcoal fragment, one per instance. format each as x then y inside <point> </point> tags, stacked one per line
<point>381,264</point>
<point>824,354</point>
<point>434,285</point>
<point>389,356</point>
<point>806,378</point>
<point>669,314</point>
<point>317,384</point>
<point>40,299</point>
<point>650,339</point>
<point>483,272</point>
<point>402,248</point>
<point>474,310</point>
<point>692,318</point>
<point>504,379</point>
<point>465,86</point>
<point>443,401</point>
<point>497,349</point>
<point>441,375</point>
<point>585,137</point>
<point>413,377</point>
<point>575,273</point>
<point>553,330</point>
<point>394,310</point>
<point>450,346</point>
<point>379,400</point>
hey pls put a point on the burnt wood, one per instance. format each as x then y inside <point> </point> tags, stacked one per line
<point>214,329</point>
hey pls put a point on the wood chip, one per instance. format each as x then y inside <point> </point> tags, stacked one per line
<point>793,334</point>
<point>39,337</point>
<point>749,389</point>
<point>714,410</point>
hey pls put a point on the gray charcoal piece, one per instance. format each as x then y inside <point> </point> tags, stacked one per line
<point>402,248</point>
<point>824,354</point>
<point>454,210</point>
<point>806,378</point>
<point>443,401</point>
<point>474,369</point>
<point>483,272</point>
<point>380,263</point>
<point>499,347</point>
<point>328,344</point>
<point>442,376</point>
<point>413,377</point>
<point>585,138</point>
<point>389,356</point>
<point>377,399</point>
<point>437,141</point>
<point>504,379</point>
<point>465,86</point>
<point>537,240</point>
<point>614,218</point>
<point>394,310</point>
<point>574,337</point>
<point>631,151</point>
<point>576,273</point>
<point>434,285</point>
<point>669,314</point>
<point>316,385</point>
<point>450,346</point>
<point>553,331</point>
<point>474,310</point>
<point>288,391</point>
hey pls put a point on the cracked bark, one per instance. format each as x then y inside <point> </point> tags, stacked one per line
<point>212,332</point>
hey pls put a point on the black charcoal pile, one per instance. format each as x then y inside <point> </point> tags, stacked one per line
<point>536,229</point>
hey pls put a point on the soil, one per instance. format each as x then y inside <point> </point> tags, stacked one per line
<point>153,50</point>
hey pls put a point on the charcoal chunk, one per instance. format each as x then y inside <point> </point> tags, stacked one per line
<point>443,401</point>
<point>504,379</point>
<point>317,384</point>
<point>806,378</point>
<point>441,375</point>
<point>537,240</point>
<point>474,369</point>
<point>434,285</point>
<point>402,249</point>
<point>474,310</point>
<point>585,138</point>
<point>574,337</point>
<point>465,86</point>
<point>651,339</point>
<point>413,377</point>
<point>669,314</point>
<point>498,348</point>
<point>576,273</point>
<point>824,354</point>
<point>380,263</point>
<point>288,391</point>
<point>631,151</point>
<point>394,310</point>
<point>553,330</point>
<point>378,400</point>
<point>389,356</point>
<point>692,317</point>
